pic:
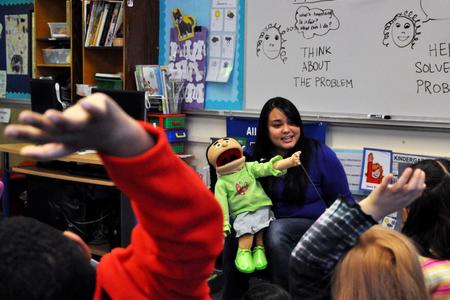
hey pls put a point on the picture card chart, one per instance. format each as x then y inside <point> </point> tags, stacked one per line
<point>222,40</point>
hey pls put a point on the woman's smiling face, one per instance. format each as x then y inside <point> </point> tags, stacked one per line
<point>402,31</point>
<point>282,133</point>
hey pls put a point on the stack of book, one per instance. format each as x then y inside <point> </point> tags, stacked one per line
<point>164,94</point>
<point>102,22</point>
<point>109,81</point>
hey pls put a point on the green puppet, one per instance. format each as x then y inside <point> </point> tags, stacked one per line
<point>243,198</point>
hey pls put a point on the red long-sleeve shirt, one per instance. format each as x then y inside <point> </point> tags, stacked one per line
<point>179,232</point>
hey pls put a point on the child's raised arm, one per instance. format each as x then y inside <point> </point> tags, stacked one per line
<point>95,122</point>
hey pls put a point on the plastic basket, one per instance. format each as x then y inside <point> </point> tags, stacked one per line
<point>178,148</point>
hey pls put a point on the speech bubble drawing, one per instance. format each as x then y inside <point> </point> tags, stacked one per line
<point>311,22</point>
<point>436,9</point>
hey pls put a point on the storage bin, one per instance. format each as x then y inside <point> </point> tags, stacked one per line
<point>178,148</point>
<point>109,84</point>
<point>168,121</point>
<point>56,56</point>
<point>176,135</point>
<point>58,30</point>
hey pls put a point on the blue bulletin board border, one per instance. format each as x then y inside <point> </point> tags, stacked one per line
<point>219,96</point>
<point>15,2</point>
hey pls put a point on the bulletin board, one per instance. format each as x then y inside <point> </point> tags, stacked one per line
<point>219,96</point>
<point>350,57</point>
<point>16,47</point>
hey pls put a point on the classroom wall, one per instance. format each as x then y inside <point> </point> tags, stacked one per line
<point>423,141</point>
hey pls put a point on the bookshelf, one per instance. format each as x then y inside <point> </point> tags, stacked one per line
<point>140,41</point>
<point>58,11</point>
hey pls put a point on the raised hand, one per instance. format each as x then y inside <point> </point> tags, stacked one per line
<point>388,198</point>
<point>95,122</point>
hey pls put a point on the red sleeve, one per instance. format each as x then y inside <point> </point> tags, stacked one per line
<point>179,232</point>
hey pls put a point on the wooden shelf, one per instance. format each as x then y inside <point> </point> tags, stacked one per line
<point>53,65</point>
<point>61,11</point>
<point>61,175</point>
<point>103,47</point>
<point>50,39</point>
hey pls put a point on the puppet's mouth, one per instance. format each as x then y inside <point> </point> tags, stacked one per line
<point>228,156</point>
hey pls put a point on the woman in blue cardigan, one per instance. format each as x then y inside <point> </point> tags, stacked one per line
<point>299,197</point>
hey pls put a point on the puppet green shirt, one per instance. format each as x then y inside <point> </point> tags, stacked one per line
<point>241,192</point>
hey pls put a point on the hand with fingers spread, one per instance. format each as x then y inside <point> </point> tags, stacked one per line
<point>95,122</point>
<point>388,198</point>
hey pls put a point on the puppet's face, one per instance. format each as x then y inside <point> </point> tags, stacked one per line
<point>226,156</point>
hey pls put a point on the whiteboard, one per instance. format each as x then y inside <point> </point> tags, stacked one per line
<point>346,57</point>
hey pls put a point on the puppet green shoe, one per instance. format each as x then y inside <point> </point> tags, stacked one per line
<point>259,258</point>
<point>244,261</point>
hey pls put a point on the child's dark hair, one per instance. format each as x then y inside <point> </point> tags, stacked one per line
<point>37,262</point>
<point>263,290</point>
<point>428,222</point>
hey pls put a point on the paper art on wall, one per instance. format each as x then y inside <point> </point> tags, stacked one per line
<point>2,84</point>
<point>377,163</point>
<point>184,24</point>
<point>187,62</point>
<point>16,34</point>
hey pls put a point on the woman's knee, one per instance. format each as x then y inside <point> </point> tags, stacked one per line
<point>275,235</point>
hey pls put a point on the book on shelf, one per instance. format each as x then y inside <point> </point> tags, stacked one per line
<point>103,20</point>
<point>161,89</point>
<point>118,23</point>
<point>101,24</point>
<point>112,25</point>
<point>109,75</point>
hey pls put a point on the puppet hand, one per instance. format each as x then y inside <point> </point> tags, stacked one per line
<point>296,158</point>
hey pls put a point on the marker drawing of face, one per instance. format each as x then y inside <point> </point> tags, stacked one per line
<point>402,32</point>
<point>270,42</point>
<point>403,29</point>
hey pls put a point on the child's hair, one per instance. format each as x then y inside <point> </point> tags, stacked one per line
<point>428,221</point>
<point>37,262</point>
<point>263,290</point>
<point>383,265</point>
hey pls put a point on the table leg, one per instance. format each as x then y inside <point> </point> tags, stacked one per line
<point>6,177</point>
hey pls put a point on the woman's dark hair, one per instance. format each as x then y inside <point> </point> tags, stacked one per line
<point>295,179</point>
<point>428,222</point>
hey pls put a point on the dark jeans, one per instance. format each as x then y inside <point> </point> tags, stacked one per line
<point>279,240</point>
